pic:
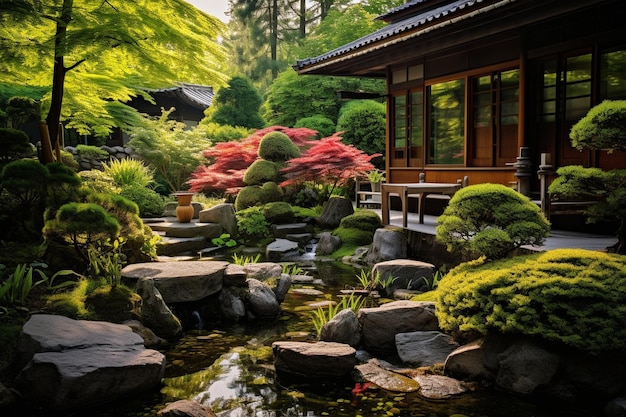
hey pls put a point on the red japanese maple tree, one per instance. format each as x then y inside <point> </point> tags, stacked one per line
<point>229,160</point>
<point>329,161</point>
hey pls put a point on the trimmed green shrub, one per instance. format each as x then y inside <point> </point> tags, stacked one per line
<point>572,296</point>
<point>363,220</point>
<point>249,196</point>
<point>278,212</point>
<point>490,220</point>
<point>272,192</point>
<point>603,127</point>
<point>277,147</point>
<point>14,144</point>
<point>150,202</point>
<point>363,124</point>
<point>261,171</point>
<point>321,124</point>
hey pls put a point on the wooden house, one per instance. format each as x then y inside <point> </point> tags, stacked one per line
<point>471,82</point>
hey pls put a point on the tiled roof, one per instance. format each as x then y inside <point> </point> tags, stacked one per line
<point>200,96</point>
<point>420,20</point>
<point>400,8</point>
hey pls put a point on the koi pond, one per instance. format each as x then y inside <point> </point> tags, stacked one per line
<point>230,368</point>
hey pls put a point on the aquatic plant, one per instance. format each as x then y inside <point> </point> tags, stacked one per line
<point>246,259</point>
<point>321,315</point>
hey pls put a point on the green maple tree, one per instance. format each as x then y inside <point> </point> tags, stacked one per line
<point>95,55</point>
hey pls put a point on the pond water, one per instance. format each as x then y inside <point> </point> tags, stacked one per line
<point>229,367</point>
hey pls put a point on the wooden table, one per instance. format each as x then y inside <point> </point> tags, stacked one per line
<point>404,190</point>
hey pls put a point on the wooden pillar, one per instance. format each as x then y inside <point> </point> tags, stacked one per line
<point>523,68</point>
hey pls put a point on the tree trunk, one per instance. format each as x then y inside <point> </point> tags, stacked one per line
<point>53,118</point>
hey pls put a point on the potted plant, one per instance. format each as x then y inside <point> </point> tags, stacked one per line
<point>375,177</point>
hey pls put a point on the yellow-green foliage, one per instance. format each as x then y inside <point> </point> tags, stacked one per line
<point>490,220</point>
<point>573,296</point>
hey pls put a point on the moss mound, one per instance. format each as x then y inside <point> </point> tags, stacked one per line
<point>573,296</point>
<point>249,196</point>
<point>366,220</point>
<point>272,192</point>
<point>354,237</point>
<point>278,147</point>
<point>278,212</point>
<point>261,171</point>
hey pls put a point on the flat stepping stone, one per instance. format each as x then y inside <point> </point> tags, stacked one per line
<point>180,281</point>
<point>192,229</point>
<point>386,379</point>
<point>437,387</point>
<point>318,360</point>
<point>172,246</point>
<point>302,279</point>
<point>306,291</point>
<point>282,230</point>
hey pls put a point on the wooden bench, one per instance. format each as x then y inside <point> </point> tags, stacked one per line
<point>420,190</point>
<point>552,207</point>
<point>367,195</point>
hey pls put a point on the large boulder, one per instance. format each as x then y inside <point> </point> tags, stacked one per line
<point>407,274</point>
<point>388,243</point>
<point>155,314</point>
<point>263,270</point>
<point>222,214</point>
<point>327,244</point>
<point>525,366</point>
<point>335,209</point>
<point>343,328</point>
<point>262,302</point>
<point>232,307</point>
<point>180,282</point>
<point>379,325</point>
<point>72,364</point>
<point>424,348</point>
<point>315,360</point>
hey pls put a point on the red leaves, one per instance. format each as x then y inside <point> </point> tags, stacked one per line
<point>328,160</point>
<point>231,159</point>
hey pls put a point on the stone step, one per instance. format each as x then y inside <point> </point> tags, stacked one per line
<point>173,246</point>
<point>282,230</point>
<point>173,228</point>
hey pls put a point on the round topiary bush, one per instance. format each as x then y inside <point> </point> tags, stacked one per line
<point>277,147</point>
<point>261,171</point>
<point>572,296</point>
<point>321,124</point>
<point>278,212</point>
<point>249,196</point>
<point>490,220</point>
<point>150,202</point>
<point>363,220</point>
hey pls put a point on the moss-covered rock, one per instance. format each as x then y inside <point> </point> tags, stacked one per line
<point>573,296</point>
<point>362,220</point>
<point>278,212</point>
<point>353,237</point>
<point>260,172</point>
<point>249,196</point>
<point>272,192</point>
<point>278,147</point>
